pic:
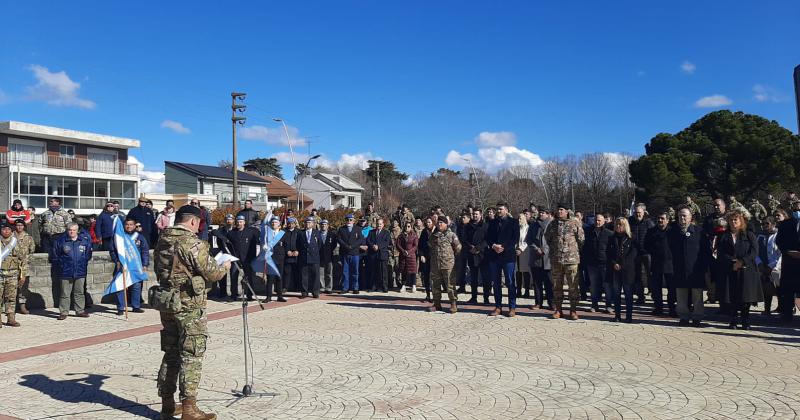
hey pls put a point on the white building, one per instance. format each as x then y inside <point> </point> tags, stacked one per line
<point>331,191</point>
<point>83,169</point>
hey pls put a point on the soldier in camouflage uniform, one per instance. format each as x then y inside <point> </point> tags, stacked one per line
<point>773,203</point>
<point>734,205</point>
<point>53,223</point>
<point>407,216</point>
<point>757,210</point>
<point>444,246</point>
<point>693,207</point>
<point>394,256</point>
<point>671,214</point>
<point>183,264</point>
<point>370,215</point>
<point>565,238</point>
<point>26,247</point>
<point>12,267</point>
<point>791,198</point>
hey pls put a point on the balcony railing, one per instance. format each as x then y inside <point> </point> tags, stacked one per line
<point>71,163</point>
<point>226,197</point>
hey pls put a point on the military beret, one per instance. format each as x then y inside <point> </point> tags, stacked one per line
<point>187,210</point>
<point>323,222</point>
<point>228,216</point>
<point>19,222</point>
<point>349,216</point>
<point>274,218</point>
<point>310,219</point>
<point>291,220</point>
<point>240,217</point>
<point>5,224</point>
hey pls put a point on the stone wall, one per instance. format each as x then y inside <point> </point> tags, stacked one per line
<point>45,291</point>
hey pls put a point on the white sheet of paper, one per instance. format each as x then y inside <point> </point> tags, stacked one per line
<point>222,257</point>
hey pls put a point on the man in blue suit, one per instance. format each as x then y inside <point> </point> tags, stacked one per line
<point>309,243</point>
<point>379,243</point>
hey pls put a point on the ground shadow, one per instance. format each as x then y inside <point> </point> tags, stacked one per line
<point>86,389</point>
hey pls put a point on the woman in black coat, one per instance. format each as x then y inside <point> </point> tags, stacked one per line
<point>622,253</point>
<point>737,250</point>
<point>424,251</point>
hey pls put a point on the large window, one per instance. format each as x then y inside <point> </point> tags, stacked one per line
<point>351,201</point>
<point>86,194</point>
<point>67,150</point>
<point>26,152</point>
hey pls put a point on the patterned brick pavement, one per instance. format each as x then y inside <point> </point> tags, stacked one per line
<point>379,357</point>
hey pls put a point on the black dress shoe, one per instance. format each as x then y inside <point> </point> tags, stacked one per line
<point>281,299</point>
<point>303,296</point>
<point>683,323</point>
<point>356,292</point>
<point>138,310</point>
<point>315,296</point>
<point>120,312</point>
<point>696,323</point>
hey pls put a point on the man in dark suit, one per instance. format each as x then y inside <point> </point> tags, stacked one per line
<point>351,242</point>
<point>145,217</point>
<point>788,241</point>
<point>474,245</point>
<point>244,240</point>
<point>689,249</point>
<point>309,244</point>
<point>379,242</point>
<point>326,257</point>
<point>661,265</point>
<point>502,238</point>
<point>291,270</point>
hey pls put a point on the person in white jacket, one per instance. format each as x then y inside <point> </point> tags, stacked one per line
<point>523,274</point>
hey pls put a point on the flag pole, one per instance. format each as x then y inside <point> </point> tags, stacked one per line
<point>125,292</point>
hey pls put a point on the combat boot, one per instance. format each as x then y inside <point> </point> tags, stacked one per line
<point>191,412</point>
<point>12,322</point>
<point>23,309</point>
<point>453,307</point>
<point>169,409</point>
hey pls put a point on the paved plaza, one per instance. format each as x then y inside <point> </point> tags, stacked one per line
<point>383,356</point>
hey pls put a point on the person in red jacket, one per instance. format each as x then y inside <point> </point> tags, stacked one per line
<point>17,211</point>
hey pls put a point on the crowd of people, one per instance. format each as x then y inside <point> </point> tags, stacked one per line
<point>735,256</point>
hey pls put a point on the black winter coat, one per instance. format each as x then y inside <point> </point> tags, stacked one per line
<point>503,231</point>
<point>329,244</point>
<point>595,249</point>
<point>350,241</point>
<point>309,251</point>
<point>290,241</point>
<point>744,286</point>
<point>623,251</point>
<point>655,243</point>
<point>639,229</point>
<point>690,255</point>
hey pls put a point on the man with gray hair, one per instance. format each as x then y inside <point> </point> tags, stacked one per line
<point>689,249</point>
<point>640,224</point>
<point>70,257</point>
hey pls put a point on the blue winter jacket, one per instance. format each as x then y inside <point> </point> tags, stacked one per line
<point>72,257</point>
<point>104,228</point>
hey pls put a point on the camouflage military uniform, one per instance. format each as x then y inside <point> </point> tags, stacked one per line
<point>184,334</point>
<point>394,257</point>
<point>671,214</point>
<point>407,217</point>
<point>773,204</point>
<point>26,248</point>
<point>372,218</point>
<point>12,267</point>
<point>54,223</point>
<point>737,206</point>
<point>565,239</point>
<point>444,246</point>
<point>757,210</point>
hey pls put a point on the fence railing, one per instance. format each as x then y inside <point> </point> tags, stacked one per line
<point>116,167</point>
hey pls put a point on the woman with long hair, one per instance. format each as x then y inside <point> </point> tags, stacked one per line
<point>523,267</point>
<point>737,250</point>
<point>406,245</point>
<point>425,257</point>
<point>622,253</point>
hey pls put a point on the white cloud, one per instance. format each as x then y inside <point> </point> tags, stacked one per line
<point>345,161</point>
<point>496,151</point>
<point>762,93</point>
<point>175,126</point>
<point>713,101</point>
<point>688,67</point>
<point>496,139</point>
<point>56,89</point>
<point>275,136</point>
<point>149,181</point>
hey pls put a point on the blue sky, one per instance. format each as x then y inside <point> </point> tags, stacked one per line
<point>420,83</point>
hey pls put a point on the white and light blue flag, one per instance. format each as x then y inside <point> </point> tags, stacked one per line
<point>128,257</point>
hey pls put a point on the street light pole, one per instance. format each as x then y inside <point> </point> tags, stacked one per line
<point>236,107</point>
<point>300,182</point>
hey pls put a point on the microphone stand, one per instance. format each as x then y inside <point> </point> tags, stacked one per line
<point>247,390</point>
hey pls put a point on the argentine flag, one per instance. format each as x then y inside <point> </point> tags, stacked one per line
<point>269,239</point>
<point>129,258</point>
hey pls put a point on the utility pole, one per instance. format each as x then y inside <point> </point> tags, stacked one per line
<point>378,173</point>
<point>236,107</point>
